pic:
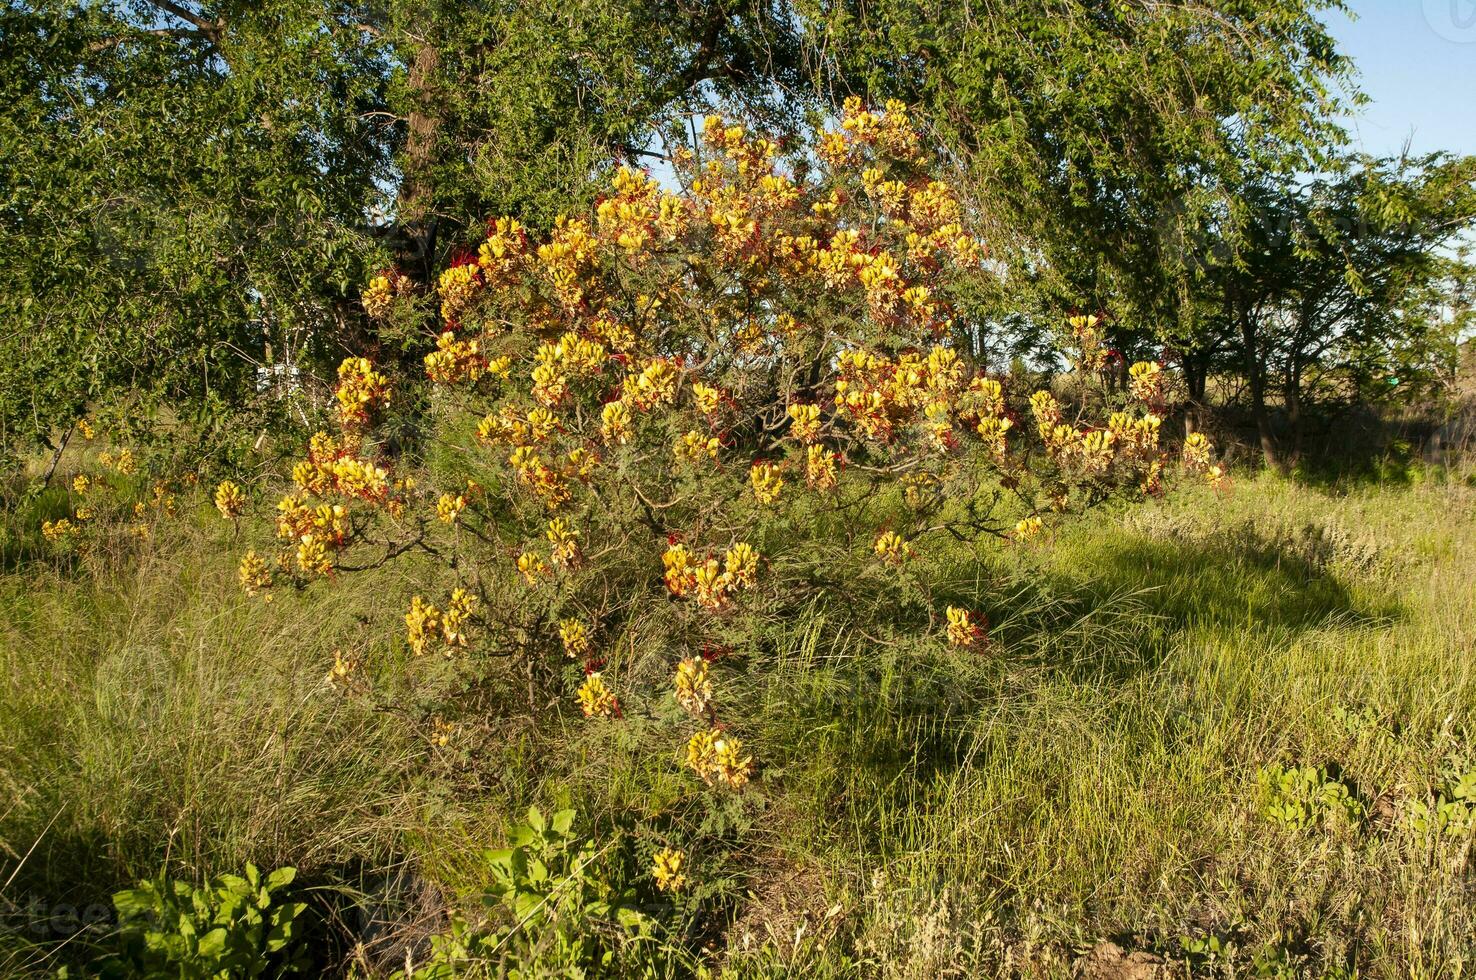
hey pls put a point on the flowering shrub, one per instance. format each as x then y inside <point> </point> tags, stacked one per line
<point>700,408</point>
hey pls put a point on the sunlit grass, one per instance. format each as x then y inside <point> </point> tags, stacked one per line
<point>1090,774</point>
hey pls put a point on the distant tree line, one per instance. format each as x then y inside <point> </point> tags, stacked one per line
<point>194,190</point>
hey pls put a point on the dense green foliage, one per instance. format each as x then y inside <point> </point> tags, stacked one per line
<point>195,189</point>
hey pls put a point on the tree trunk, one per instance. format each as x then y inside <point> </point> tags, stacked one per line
<point>1292,393</point>
<point>1255,368</point>
<point>1196,377</point>
<point>415,238</point>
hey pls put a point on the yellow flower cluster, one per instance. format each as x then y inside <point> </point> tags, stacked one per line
<point>361,390</point>
<point>1090,341</point>
<point>1145,381</point>
<point>532,567</point>
<point>821,468</point>
<point>379,296</point>
<point>254,575</point>
<point>229,499</point>
<point>595,699</point>
<point>878,394</point>
<point>696,445</point>
<point>574,635</point>
<point>563,543</point>
<point>121,463</point>
<point>666,870</point>
<point>718,759</point>
<point>81,483</point>
<point>58,530</point>
<point>457,287</point>
<point>804,423</point>
<point>426,626</point>
<point>964,630</point>
<point>693,686</point>
<point>346,674</point>
<point>457,360</point>
<point>637,211</point>
<point>892,548</point>
<point>766,481</point>
<point>566,257</point>
<point>712,583</point>
<point>504,250</point>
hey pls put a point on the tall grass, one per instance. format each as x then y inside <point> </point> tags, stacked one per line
<point>920,813</point>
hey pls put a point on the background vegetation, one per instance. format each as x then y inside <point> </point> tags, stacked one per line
<point>1222,733</point>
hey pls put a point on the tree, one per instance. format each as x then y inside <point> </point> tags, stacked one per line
<point>195,185</point>
<point>1328,294</point>
<point>1100,136</point>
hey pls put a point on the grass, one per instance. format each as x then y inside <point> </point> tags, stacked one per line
<point>1092,776</point>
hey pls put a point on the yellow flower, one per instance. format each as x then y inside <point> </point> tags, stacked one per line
<point>693,686</point>
<point>449,507</point>
<point>254,574</point>
<point>741,564</point>
<point>706,397</point>
<point>766,482</point>
<point>84,514</point>
<point>459,610</point>
<point>655,385</point>
<point>457,286</point>
<point>422,625</point>
<point>575,637</point>
<point>681,576</point>
<point>313,556</point>
<point>1028,527</point>
<point>229,500</point>
<point>564,541</point>
<point>345,673</point>
<point>804,422</point>
<point>378,296</point>
<point>696,445</point>
<point>666,869</point>
<point>718,758</point>
<point>615,423</point>
<point>81,483</point>
<point>713,585</point>
<point>963,630</point>
<point>532,567</point>
<point>595,698</point>
<point>1145,379</point>
<point>820,467</point>
<point>123,463</point>
<point>892,548</point>
<point>455,360</point>
<point>360,390</point>
<point>1198,451</point>
<point>443,732</point>
<point>57,530</point>
<point>86,429</point>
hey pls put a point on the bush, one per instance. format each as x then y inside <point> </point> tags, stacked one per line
<point>237,927</point>
<point>700,415</point>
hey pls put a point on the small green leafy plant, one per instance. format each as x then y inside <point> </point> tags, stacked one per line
<point>553,911</point>
<point>1300,797</point>
<point>1452,814</point>
<point>236,927</point>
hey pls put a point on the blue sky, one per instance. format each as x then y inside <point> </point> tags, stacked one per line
<point>1417,60</point>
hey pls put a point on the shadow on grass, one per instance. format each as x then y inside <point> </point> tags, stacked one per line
<point>889,725</point>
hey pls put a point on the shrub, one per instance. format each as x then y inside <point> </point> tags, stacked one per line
<point>237,927</point>
<point>699,414</point>
<point>554,911</point>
